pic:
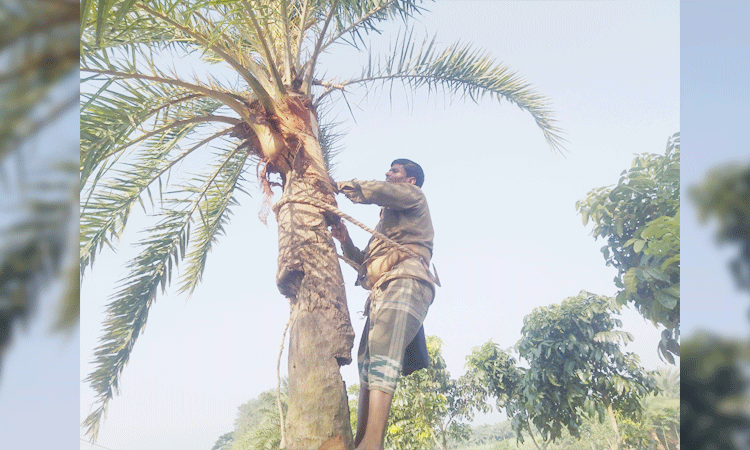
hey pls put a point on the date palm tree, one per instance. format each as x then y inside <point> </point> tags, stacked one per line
<point>142,118</point>
<point>39,49</point>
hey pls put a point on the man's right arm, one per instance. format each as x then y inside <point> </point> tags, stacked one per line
<point>398,196</point>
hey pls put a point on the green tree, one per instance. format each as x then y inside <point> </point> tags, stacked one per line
<point>265,433</point>
<point>575,369</point>
<point>714,393</point>
<point>430,408</point>
<point>39,50</point>
<point>140,120</point>
<point>667,380</point>
<point>659,425</point>
<point>714,390</point>
<point>258,423</point>
<point>640,219</point>
<point>724,195</point>
<point>224,442</point>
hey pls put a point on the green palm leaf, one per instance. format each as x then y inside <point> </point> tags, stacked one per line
<point>167,243</point>
<point>459,69</point>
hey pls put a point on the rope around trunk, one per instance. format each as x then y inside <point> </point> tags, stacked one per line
<point>330,208</point>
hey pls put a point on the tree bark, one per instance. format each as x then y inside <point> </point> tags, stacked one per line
<point>309,275</point>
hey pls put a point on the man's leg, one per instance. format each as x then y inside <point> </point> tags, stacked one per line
<point>396,319</point>
<point>379,405</point>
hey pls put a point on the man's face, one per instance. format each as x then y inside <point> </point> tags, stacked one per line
<point>397,174</point>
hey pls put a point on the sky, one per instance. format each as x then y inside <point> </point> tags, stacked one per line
<point>508,238</point>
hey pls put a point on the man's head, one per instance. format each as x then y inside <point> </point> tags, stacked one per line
<point>405,171</point>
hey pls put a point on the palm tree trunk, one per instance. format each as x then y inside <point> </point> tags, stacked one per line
<point>321,334</point>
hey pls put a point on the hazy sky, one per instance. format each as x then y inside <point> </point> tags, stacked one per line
<point>508,238</point>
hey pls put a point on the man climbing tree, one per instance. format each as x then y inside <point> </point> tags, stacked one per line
<point>401,290</point>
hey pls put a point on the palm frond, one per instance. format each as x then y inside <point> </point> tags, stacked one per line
<point>123,116</point>
<point>128,310</point>
<point>309,69</point>
<point>356,19</point>
<point>261,39</point>
<point>117,115</point>
<point>329,135</point>
<point>215,211</point>
<point>105,211</point>
<point>167,243</point>
<point>459,69</point>
<point>217,30</point>
<point>220,45</point>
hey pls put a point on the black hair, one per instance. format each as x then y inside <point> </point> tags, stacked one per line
<point>412,169</point>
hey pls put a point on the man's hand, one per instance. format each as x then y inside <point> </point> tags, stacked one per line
<point>340,232</point>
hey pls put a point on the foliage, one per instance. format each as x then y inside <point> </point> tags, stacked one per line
<point>662,416</point>
<point>575,369</point>
<point>429,407</point>
<point>667,380</point>
<point>714,392</point>
<point>657,428</point>
<point>592,434</point>
<point>725,196</point>
<point>576,365</point>
<point>257,426</point>
<point>39,50</point>
<point>486,436</point>
<point>659,425</point>
<point>640,219</point>
<point>353,394</point>
<point>253,61</point>
<point>254,412</point>
<point>492,372</point>
<point>224,442</point>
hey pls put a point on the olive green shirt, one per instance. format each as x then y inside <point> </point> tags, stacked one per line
<point>404,218</point>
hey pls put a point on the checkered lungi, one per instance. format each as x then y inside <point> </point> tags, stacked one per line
<point>395,313</point>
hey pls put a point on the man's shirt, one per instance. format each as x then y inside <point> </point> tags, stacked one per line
<point>405,218</point>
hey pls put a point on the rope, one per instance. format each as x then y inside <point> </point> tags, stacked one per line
<point>354,265</point>
<point>282,423</point>
<point>323,205</point>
